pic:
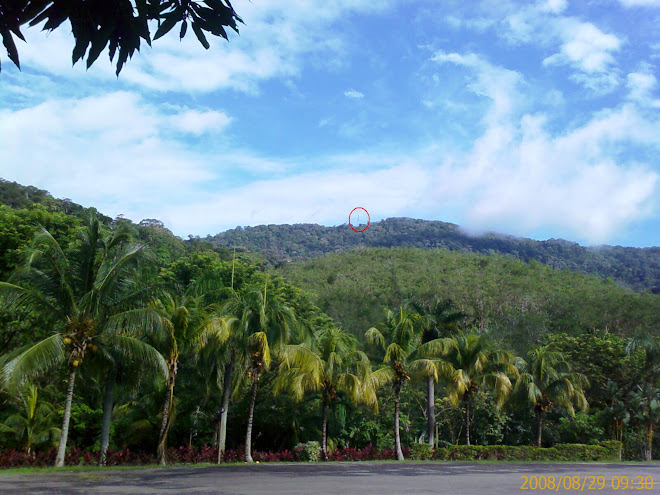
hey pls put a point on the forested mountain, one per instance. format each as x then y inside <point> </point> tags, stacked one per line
<point>515,301</point>
<point>637,268</point>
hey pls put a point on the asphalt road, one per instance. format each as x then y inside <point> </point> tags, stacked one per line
<point>360,478</point>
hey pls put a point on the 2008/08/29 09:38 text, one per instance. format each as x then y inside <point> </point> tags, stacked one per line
<point>586,483</point>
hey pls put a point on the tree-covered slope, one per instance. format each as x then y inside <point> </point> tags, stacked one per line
<point>519,302</point>
<point>638,268</point>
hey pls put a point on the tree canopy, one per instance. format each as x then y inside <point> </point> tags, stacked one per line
<point>119,25</point>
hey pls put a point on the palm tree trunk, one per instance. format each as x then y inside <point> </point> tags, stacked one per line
<point>397,436</point>
<point>248,436</point>
<point>166,421</point>
<point>108,400</point>
<point>467,421</point>
<point>61,448</point>
<point>649,450</point>
<point>539,430</point>
<point>226,393</point>
<point>324,430</point>
<point>430,410</point>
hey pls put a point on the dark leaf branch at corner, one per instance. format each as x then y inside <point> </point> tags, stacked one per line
<point>118,25</point>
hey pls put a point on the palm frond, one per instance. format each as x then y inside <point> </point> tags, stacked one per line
<point>394,352</point>
<point>375,337</point>
<point>135,350</point>
<point>35,361</point>
<point>17,296</point>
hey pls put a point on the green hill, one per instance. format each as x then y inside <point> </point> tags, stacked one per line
<point>637,268</point>
<point>518,302</point>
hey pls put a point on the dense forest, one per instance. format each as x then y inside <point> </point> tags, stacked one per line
<point>119,335</point>
<point>637,268</point>
<point>516,302</point>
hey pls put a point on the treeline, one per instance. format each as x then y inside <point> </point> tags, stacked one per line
<point>636,268</point>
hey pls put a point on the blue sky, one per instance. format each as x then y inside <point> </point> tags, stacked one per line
<point>539,119</point>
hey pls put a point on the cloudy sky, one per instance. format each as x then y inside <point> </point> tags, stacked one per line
<point>535,119</point>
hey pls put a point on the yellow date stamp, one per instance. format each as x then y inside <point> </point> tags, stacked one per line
<point>585,483</point>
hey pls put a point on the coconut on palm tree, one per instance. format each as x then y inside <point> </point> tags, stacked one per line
<point>92,300</point>
<point>330,364</point>
<point>547,380</point>
<point>476,363</point>
<point>406,357</point>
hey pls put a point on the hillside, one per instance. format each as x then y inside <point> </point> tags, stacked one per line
<point>636,268</point>
<point>517,302</point>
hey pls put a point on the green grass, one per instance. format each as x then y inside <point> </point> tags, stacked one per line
<point>83,469</point>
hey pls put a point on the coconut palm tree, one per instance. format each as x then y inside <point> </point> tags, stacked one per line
<point>405,356</point>
<point>440,320</point>
<point>330,364</point>
<point>547,380</point>
<point>92,300</point>
<point>185,324</point>
<point>264,324</point>
<point>33,425</point>
<point>476,363</point>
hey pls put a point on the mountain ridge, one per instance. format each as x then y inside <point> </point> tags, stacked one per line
<point>637,268</point>
<point>632,267</point>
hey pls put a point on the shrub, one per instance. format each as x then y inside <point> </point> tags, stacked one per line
<point>607,451</point>
<point>613,449</point>
<point>421,451</point>
<point>308,452</point>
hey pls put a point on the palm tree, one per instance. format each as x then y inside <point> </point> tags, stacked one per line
<point>440,321</point>
<point>92,300</point>
<point>330,364</point>
<point>184,323</point>
<point>546,379</point>
<point>406,356</point>
<point>649,346</point>
<point>34,425</point>
<point>646,405</point>
<point>264,324</point>
<point>616,410</point>
<point>473,363</point>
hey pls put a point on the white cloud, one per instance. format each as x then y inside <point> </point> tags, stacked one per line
<point>519,177</point>
<point>123,155</point>
<point>276,37</point>
<point>577,44</point>
<point>107,151</point>
<point>326,197</point>
<point>585,47</point>
<point>641,86</point>
<point>554,6</point>
<point>197,122</point>
<point>640,3</point>
<point>497,83</point>
<point>351,93</point>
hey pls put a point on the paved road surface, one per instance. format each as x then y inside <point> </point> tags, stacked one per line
<point>333,478</point>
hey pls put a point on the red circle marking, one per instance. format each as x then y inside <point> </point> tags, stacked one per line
<point>368,219</point>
